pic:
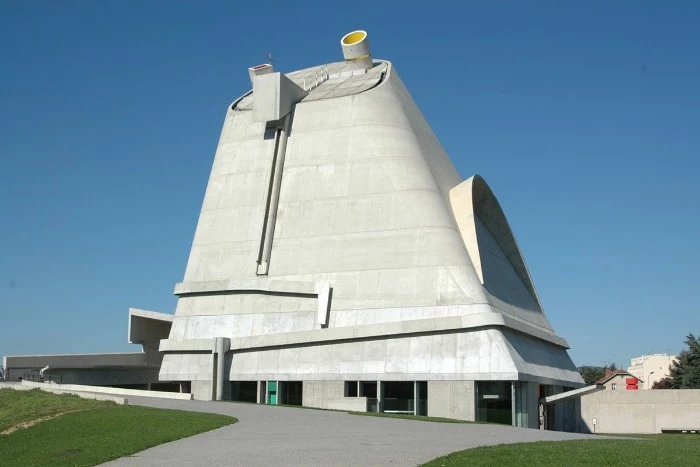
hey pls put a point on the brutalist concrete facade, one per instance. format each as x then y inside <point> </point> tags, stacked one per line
<point>337,243</point>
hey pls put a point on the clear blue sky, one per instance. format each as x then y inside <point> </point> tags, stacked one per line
<point>584,117</point>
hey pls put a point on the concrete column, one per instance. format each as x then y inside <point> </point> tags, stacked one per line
<point>415,398</point>
<point>513,414</point>
<point>380,398</point>
<point>221,346</point>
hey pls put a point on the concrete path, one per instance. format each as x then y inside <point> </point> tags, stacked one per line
<point>268,436</point>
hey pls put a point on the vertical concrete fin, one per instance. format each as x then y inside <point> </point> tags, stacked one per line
<point>273,197</point>
<point>486,233</point>
<point>323,289</point>
<point>274,96</point>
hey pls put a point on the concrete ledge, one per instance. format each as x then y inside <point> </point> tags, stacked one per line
<point>395,328</point>
<point>251,285</point>
<point>65,361</point>
<point>83,395</point>
<point>107,390</point>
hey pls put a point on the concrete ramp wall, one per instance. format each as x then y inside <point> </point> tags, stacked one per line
<point>640,411</point>
<point>76,388</point>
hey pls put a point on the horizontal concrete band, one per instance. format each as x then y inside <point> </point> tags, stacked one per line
<point>251,285</point>
<point>66,361</point>
<point>278,376</point>
<point>452,323</point>
<point>83,395</point>
<point>107,390</point>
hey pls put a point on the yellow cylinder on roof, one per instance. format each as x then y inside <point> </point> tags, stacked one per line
<point>356,50</point>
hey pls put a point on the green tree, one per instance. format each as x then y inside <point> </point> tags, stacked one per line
<point>663,383</point>
<point>685,372</point>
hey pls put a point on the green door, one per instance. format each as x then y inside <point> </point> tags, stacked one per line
<point>272,392</point>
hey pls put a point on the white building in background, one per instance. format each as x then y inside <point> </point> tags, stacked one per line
<point>651,368</point>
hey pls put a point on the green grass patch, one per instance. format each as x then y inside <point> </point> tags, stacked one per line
<point>652,450</point>
<point>100,432</point>
<point>403,416</point>
<point>24,406</point>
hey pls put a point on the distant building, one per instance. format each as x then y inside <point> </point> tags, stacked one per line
<point>651,368</point>
<point>619,380</point>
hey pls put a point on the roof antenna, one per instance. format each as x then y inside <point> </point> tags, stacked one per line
<point>268,56</point>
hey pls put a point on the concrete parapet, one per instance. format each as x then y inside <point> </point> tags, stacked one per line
<point>351,404</point>
<point>83,395</point>
<point>106,390</point>
<point>640,411</point>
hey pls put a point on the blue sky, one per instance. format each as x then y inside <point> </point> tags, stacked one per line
<point>584,117</point>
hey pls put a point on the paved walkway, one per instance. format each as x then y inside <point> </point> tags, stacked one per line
<point>268,436</point>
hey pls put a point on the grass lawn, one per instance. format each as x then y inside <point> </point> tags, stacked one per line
<point>652,450</point>
<point>93,432</point>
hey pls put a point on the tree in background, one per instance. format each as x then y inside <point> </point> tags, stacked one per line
<point>591,374</point>
<point>684,372</point>
<point>663,383</point>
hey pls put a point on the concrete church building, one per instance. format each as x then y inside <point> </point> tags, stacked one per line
<point>340,261</point>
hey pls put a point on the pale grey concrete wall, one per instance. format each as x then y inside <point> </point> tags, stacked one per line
<point>452,399</point>
<point>83,395</point>
<point>105,377</point>
<point>188,367</point>
<point>416,358</point>
<point>202,390</point>
<point>351,404</point>
<point>76,360</point>
<point>640,411</point>
<point>80,388</point>
<point>318,393</point>
<point>106,369</point>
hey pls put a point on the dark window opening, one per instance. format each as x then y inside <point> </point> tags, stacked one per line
<point>351,388</point>
<point>291,392</point>
<point>165,387</point>
<point>494,402</point>
<point>398,396</point>
<point>244,391</point>
<point>368,389</point>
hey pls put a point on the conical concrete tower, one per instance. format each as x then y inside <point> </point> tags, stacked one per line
<point>338,252</point>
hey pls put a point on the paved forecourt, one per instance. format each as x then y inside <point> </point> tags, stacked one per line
<point>268,435</point>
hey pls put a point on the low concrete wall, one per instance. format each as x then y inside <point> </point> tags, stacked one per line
<point>351,404</point>
<point>107,390</point>
<point>640,411</point>
<point>318,393</point>
<point>83,395</point>
<point>452,399</point>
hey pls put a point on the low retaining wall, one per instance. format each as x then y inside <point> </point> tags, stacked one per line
<point>83,395</point>
<point>351,404</point>
<point>107,390</point>
<point>640,411</point>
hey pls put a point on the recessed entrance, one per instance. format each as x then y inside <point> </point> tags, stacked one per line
<point>244,391</point>
<point>494,402</point>
<point>398,397</point>
<point>291,392</point>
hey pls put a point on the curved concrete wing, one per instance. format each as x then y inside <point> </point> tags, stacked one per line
<point>495,253</point>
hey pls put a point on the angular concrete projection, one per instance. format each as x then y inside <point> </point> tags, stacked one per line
<point>364,258</point>
<point>275,96</point>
